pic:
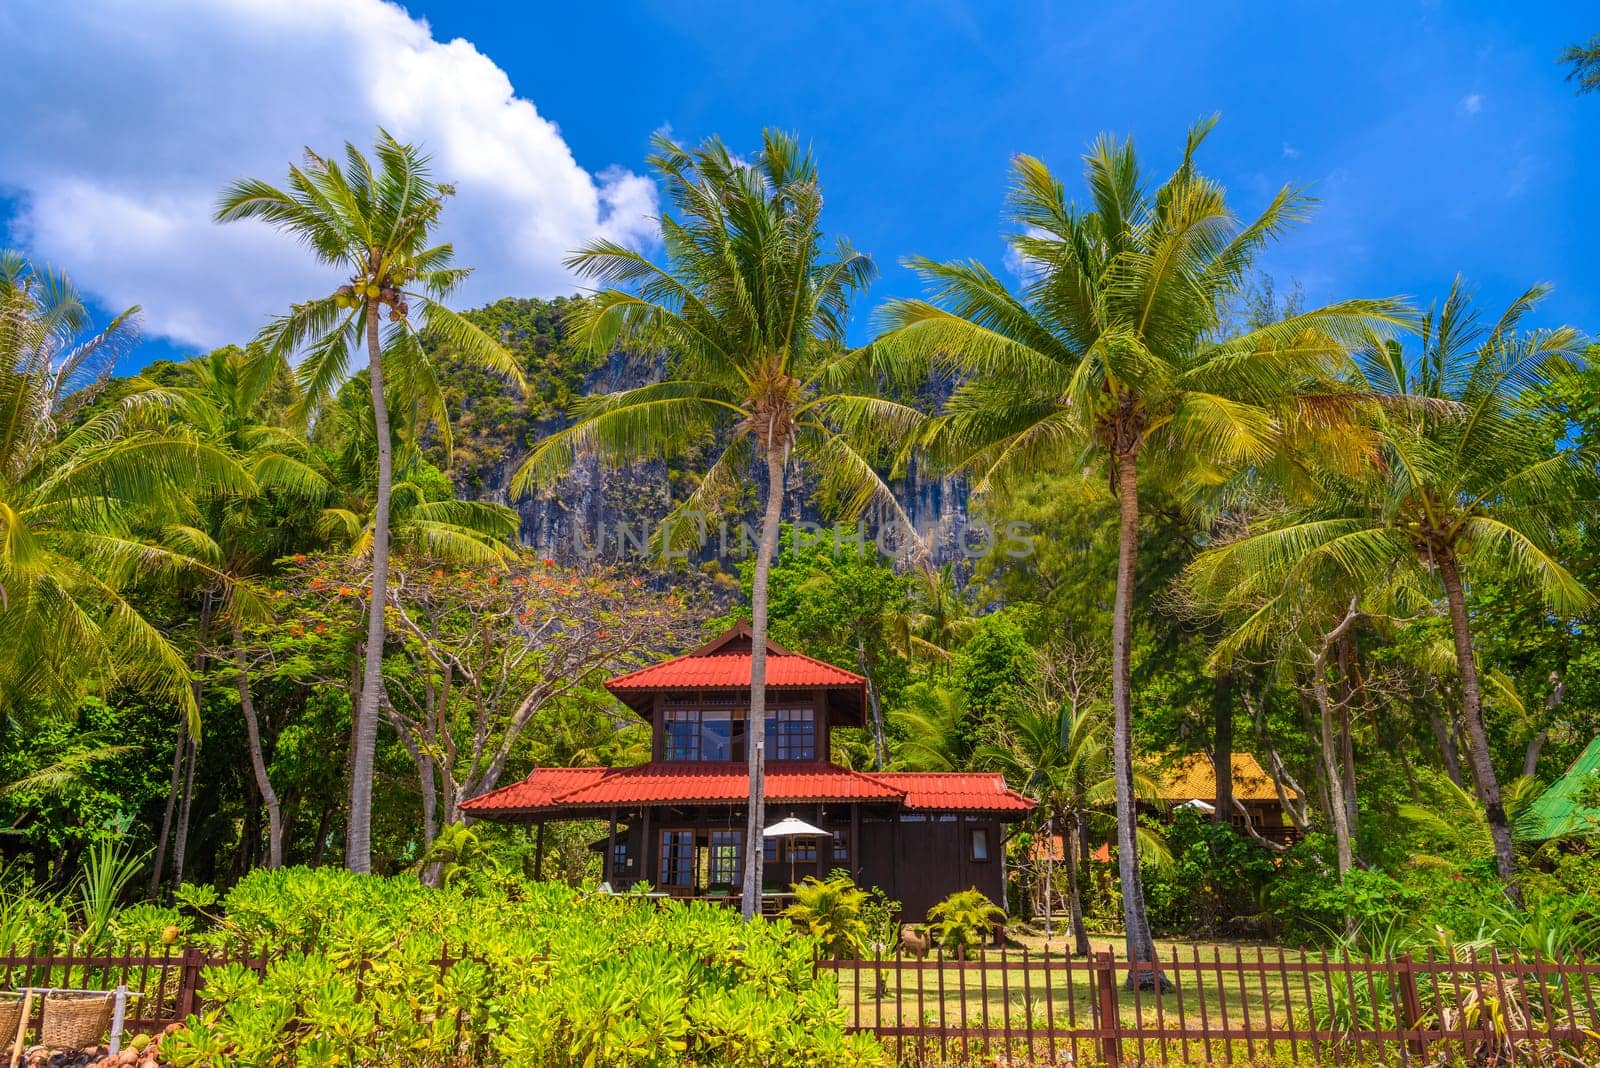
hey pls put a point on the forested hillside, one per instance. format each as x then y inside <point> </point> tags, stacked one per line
<point>493,429</point>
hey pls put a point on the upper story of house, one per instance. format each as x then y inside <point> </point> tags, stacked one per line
<point>698,704</point>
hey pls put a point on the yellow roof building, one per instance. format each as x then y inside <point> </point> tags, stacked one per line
<point>1192,778</point>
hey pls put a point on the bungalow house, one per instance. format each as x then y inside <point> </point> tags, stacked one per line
<point>678,822</point>
<point>1258,806</point>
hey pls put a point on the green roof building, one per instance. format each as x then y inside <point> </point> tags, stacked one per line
<point>1560,811</point>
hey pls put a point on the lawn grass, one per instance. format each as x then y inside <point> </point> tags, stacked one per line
<point>1034,987</point>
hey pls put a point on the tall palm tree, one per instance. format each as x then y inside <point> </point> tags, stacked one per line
<point>1110,352</point>
<point>88,496</point>
<point>376,225</point>
<point>752,310</point>
<point>1461,477</point>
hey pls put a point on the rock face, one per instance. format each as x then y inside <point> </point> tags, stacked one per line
<point>611,515</point>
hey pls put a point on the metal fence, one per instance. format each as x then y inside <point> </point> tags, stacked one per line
<point>163,987</point>
<point>1033,1007</point>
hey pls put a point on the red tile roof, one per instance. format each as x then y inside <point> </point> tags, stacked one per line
<point>732,671</point>
<point>970,791</point>
<point>539,790</point>
<point>552,789</point>
<point>667,783</point>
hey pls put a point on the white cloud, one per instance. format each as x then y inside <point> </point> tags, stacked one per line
<point>129,116</point>
<point>1471,104</point>
<point>1290,152</point>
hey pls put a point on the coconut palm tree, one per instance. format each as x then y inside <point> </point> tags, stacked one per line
<point>88,498</point>
<point>752,310</point>
<point>1110,354</point>
<point>1461,477</point>
<point>375,225</point>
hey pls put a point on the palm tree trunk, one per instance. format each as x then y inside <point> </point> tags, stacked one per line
<point>1477,736</point>
<point>1069,856</point>
<point>1078,853</point>
<point>1136,922</point>
<point>358,835</point>
<point>258,759</point>
<point>1049,875</point>
<point>756,727</point>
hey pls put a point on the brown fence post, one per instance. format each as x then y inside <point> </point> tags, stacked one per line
<point>189,981</point>
<point>1105,981</point>
<point>1411,1003</point>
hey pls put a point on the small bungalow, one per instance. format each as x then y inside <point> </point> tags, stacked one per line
<point>1570,808</point>
<point>678,822</point>
<point>1258,806</point>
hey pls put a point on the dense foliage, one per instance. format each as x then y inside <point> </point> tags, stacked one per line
<point>1366,557</point>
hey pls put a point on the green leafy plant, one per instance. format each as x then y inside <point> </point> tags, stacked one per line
<point>963,921</point>
<point>468,975</point>
<point>832,911</point>
<point>107,871</point>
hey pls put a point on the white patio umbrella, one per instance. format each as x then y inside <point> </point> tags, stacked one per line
<point>793,828</point>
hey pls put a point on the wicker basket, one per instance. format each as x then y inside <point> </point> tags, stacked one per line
<point>10,1020</point>
<point>75,1021</point>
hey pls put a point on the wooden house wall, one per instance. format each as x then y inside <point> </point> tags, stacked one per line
<point>920,863</point>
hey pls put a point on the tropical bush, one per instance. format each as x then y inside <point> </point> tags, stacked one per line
<point>832,910</point>
<point>1216,881</point>
<point>369,971</point>
<point>963,921</point>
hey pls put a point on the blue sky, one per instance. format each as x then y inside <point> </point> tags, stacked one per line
<point>1440,137</point>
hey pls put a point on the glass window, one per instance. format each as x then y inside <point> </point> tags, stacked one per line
<point>798,850</point>
<point>727,858</point>
<point>619,858</point>
<point>791,734</point>
<point>677,858</point>
<point>681,734</point>
<point>698,734</point>
<point>980,843</point>
<point>716,734</point>
<point>841,847</point>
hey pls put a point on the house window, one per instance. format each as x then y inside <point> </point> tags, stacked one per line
<point>681,734</point>
<point>979,839</point>
<point>677,858</point>
<point>841,847</point>
<point>698,734</point>
<point>796,850</point>
<point>619,858</point>
<point>791,734</point>
<point>727,857</point>
<point>716,734</point>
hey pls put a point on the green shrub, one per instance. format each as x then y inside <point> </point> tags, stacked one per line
<point>1216,880</point>
<point>831,911</point>
<point>964,920</point>
<point>561,978</point>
